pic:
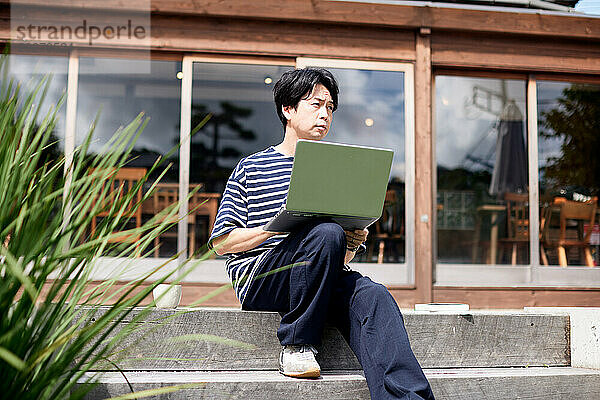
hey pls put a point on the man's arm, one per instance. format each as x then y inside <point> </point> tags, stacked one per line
<point>349,256</point>
<point>244,239</point>
<point>241,239</point>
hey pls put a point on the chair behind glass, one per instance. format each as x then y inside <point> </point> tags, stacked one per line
<point>573,216</point>
<point>517,224</point>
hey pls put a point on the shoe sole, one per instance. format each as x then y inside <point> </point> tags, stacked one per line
<point>311,373</point>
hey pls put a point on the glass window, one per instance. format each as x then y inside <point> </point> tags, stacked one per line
<point>482,171</point>
<point>371,113</point>
<point>120,93</point>
<point>243,121</point>
<point>569,171</point>
<point>27,70</point>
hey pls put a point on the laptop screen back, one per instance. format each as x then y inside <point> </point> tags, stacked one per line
<point>330,178</point>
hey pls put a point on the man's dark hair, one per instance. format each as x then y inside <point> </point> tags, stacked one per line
<point>295,85</point>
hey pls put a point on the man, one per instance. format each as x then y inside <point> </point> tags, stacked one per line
<point>318,286</point>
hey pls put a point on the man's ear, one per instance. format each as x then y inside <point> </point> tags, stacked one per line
<point>287,111</point>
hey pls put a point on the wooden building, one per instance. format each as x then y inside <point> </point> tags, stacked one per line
<point>430,79</point>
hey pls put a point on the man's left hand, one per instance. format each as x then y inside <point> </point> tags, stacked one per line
<point>356,238</point>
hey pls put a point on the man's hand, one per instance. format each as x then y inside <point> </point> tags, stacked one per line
<point>356,238</point>
<point>353,240</point>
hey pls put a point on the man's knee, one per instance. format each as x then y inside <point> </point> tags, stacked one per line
<point>329,233</point>
<point>379,292</point>
<point>370,295</point>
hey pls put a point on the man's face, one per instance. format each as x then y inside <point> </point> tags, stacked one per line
<point>312,118</point>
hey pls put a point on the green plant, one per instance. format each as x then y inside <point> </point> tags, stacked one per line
<point>47,340</point>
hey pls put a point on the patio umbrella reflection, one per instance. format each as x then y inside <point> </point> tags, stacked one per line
<point>510,169</point>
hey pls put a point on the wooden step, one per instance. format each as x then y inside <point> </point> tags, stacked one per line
<point>229,339</point>
<point>461,383</point>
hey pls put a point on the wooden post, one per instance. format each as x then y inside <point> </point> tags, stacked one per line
<point>423,169</point>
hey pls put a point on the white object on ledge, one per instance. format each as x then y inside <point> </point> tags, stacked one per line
<point>166,295</point>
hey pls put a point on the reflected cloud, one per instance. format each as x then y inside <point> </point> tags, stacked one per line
<point>374,95</point>
<point>27,70</point>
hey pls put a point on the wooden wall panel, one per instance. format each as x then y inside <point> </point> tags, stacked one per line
<point>423,171</point>
<point>416,15</point>
<point>281,38</point>
<point>406,298</point>
<point>477,298</point>
<point>453,49</point>
<point>517,297</point>
<point>191,293</point>
<point>249,37</point>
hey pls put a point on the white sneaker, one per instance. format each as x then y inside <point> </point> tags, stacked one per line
<point>299,361</point>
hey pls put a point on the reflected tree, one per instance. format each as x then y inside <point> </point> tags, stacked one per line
<point>576,122</point>
<point>206,149</point>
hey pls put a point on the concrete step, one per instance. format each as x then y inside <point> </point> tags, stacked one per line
<point>464,384</point>
<point>515,383</point>
<point>229,339</point>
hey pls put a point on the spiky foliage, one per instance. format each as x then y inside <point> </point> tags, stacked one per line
<point>47,340</point>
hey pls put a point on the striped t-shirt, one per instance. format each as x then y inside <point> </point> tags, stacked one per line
<point>255,192</point>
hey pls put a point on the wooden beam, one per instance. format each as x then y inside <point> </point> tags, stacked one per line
<point>518,297</point>
<point>249,37</point>
<point>479,73</point>
<point>201,34</point>
<point>515,53</point>
<point>423,171</point>
<point>414,16</point>
<point>477,298</point>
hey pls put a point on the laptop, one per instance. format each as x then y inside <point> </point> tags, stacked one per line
<point>342,183</point>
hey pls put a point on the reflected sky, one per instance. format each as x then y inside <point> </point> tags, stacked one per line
<point>28,69</point>
<point>466,113</point>
<point>371,112</point>
<point>121,97</point>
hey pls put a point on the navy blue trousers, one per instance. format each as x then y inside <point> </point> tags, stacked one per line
<point>319,289</point>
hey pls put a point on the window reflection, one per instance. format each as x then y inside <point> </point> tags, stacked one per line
<point>569,171</point>
<point>27,70</point>
<point>243,121</point>
<point>371,113</point>
<point>120,93</point>
<point>243,118</point>
<point>482,178</point>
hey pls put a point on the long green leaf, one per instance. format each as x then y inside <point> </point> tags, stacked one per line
<point>11,359</point>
